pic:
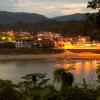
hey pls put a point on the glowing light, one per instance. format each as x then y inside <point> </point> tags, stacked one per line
<point>11,33</point>
<point>78,67</point>
<point>67,46</point>
<point>87,45</point>
<point>8,36</point>
<point>87,68</point>
<point>39,39</point>
<point>3,38</point>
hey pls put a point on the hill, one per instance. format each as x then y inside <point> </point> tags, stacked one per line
<point>15,17</point>
<point>11,17</point>
<point>76,17</point>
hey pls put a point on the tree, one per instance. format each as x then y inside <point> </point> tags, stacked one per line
<point>8,45</point>
<point>8,91</point>
<point>47,43</point>
<point>77,93</point>
<point>98,72</point>
<point>35,80</point>
<point>32,85</point>
<point>94,4</point>
<point>63,76</point>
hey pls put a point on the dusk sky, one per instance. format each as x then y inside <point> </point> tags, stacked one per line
<point>49,8</point>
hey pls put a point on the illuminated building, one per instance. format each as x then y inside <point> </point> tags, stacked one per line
<point>7,36</point>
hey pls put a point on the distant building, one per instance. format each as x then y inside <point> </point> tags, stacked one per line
<point>25,43</point>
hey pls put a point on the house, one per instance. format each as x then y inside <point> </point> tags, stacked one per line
<point>20,43</point>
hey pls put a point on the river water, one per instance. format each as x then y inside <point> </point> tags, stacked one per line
<point>14,70</point>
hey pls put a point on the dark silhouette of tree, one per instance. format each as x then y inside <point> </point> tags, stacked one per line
<point>36,80</point>
<point>63,76</point>
<point>94,4</point>
<point>98,72</point>
<point>47,43</point>
<point>8,91</point>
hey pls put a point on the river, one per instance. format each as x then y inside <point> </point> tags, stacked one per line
<point>14,70</point>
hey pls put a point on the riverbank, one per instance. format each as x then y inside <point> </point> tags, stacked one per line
<point>65,55</point>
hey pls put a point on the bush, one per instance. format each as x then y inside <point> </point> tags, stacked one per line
<point>47,43</point>
<point>76,93</point>
<point>7,91</point>
<point>7,45</point>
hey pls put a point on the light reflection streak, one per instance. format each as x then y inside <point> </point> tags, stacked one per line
<point>83,69</point>
<point>78,68</point>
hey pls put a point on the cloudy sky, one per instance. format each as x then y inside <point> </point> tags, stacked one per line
<point>49,8</point>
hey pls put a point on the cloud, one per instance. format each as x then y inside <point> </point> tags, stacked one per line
<point>7,4</point>
<point>71,8</point>
<point>50,8</point>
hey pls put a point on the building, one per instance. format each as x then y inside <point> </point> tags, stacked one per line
<point>20,43</point>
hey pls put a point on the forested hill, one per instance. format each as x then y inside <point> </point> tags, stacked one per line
<point>11,17</point>
<point>15,17</point>
<point>34,23</point>
<point>76,17</point>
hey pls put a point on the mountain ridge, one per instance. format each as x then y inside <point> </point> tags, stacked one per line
<point>76,16</point>
<point>15,17</point>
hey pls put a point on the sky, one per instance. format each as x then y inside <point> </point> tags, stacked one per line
<point>49,8</point>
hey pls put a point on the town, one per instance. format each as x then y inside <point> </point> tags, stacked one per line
<point>55,40</point>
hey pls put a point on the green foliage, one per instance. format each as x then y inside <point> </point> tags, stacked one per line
<point>31,89</point>
<point>35,80</point>
<point>7,91</point>
<point>76,93</point>
<point>68,28</point>
<point>98,98</point>
<point>48,93</point>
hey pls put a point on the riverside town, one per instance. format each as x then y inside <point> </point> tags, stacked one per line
<point>49,49</point>
<point>25,39</point>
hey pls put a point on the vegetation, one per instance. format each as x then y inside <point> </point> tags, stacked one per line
<point>47,47</point>
<point>36,87</point>
<point>35,50</point>
<point>94,4</point>
<point>98,72</point>
<point>8,91</point>
<point>47,43</point>
<point>89,26</point>
<point>94,18</point>
<point>61,75</point>
<point>86,27</point>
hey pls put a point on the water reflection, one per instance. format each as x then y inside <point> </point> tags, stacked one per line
<point>13,70</point>
<point>83,69</point>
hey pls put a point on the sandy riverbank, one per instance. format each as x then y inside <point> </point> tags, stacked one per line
<point>66,55</point>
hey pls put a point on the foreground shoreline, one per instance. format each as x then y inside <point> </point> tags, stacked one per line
<point>65,55</point>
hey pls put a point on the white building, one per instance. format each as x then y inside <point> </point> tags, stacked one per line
<point>19,43</point>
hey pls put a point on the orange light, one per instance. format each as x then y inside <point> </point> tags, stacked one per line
<point>39,39</point>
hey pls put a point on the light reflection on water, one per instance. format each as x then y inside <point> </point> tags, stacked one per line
<point>13,70</point>
<point>82,69</point>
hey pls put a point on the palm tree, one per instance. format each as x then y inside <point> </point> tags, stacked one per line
<point>98,72</point>
<point>36,80</point>
<point>63,76</point>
